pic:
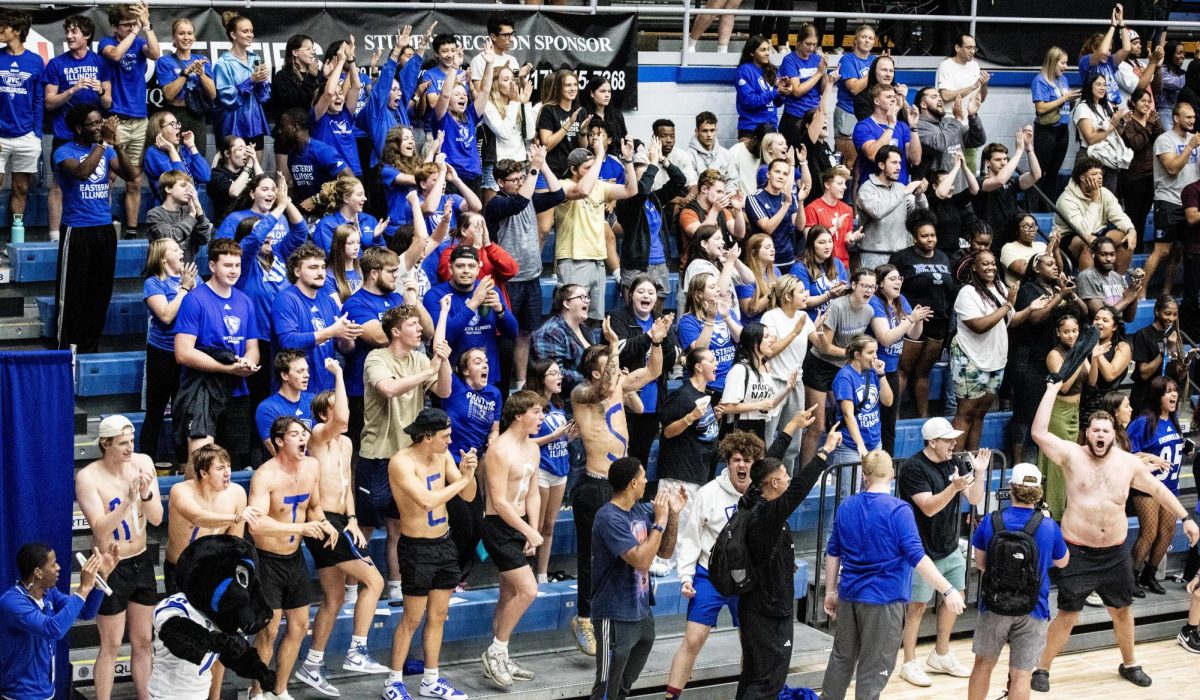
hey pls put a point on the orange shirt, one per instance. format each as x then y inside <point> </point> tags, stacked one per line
<point>839,219</point>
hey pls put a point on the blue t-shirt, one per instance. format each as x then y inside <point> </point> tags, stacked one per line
<point>472,413</point>
<point>461,145</point>
<point>648,393</point>
<point>612,171</point>
<point>169,67</point>
<point>85,202</point>
<point>555,460</point>
<point>436,76</point>
<point>870,130</point>
<point>313,166</point>
<point>890,354</point>
<point>276,405</point>
<point>764,205</point>
<point>63,71</point>
<point>338,130</point>
<point>820,284</point>
<point>861,389</point>
<point>1045,91</point>
<point>746,291</point>
<point>261,284</point>
<point>295,321</point>
<point>851,67</point>
<point>364,306</point>
<point>161,335</point>
<point>803,68</point>
<point>721,344</point>
<point>875,535</point>
<point>353,280</point>
<point>467,329</point>
<point>128,78</point>
<point>218,322</point>
<point>658,256</point>
<point>322,234</point>
<point>1109,70</point>
<point>399,211</point>
<point>22,93</point>
<point>619,591</point>
<point>1166,443</point>
<point>1050,546</point>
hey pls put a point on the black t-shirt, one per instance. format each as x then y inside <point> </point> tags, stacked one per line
<point>954,218</point>
<point>1146,344</point>
<point>1037,338</point>
<point>998,209</point>
<point>218,191</point>
<point>820,159</point>
<point>551,118</point>
<point>927,281</point>
<point>939,534</point>
<point>686,456</point>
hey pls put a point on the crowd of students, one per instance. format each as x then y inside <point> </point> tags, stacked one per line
<point>371,331</point>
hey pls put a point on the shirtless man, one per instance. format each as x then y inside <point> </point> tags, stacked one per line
<point>1099,475</point>
<point>287,488</point>
<point>331,448</point>
<point>600,417</point>
<point>423,478</point>
<point>512,526</point>
<point>118,495</point>
<point>209,504</point>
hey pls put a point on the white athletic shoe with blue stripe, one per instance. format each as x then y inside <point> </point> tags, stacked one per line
<point>440,688</point>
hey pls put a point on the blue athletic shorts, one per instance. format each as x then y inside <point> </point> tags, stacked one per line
<point>707,604</point>
<point>373,500</point>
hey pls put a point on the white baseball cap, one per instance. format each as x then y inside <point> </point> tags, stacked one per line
<point>114,426</point>
<point>936,428</point>
<point>1026,474</point>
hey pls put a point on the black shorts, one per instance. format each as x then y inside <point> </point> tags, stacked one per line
<point>169,584</point>
<point>818,374</point>
<point>259,142</point>
<point>285,582</point>
<point>933,329</point>
<point>131,582</point>
<point>373,500</point>
<point>427,565</point>
<point>1107,571</point>
<point>504,544</point>
<point>343,550</point>
<point>525,298</point>
<point>229,428</point>
<point>1169,223</point>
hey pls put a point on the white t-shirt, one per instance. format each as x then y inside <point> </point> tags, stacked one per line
<point>742,386</point>
<point>173,678</point>
<point>952,75</point>
<point>989,350</point>
<point>478,64</point>
<point>1015,250</point>
<point>792,357</point>
<point>1084,111</point>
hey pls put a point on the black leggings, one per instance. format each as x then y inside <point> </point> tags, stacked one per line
<point>162,381</point>
<point>1137,196</point>
<point>643,429</point>
<point>889,414</point>
<point>1023,374</point>
<point>1050,144</point>
<point>778,26</point>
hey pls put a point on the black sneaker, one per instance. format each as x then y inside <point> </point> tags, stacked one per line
<point>1135,675</point>
<point>1190,640</point>
<point>1040,681</point>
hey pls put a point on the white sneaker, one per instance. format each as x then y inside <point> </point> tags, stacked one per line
<point>394,592</point>
<point>351,595</point>
<point>1094,600</point>
<point>947,664</point>
<point>912,673</point>
<point>440,688</point>
<point>314,678</point>
<point>54,239</point>
<point>359,661</point>
<point>542,578</point>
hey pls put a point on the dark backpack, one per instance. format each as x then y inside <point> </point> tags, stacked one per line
<point>730,568</point>
<point>1012,581</point>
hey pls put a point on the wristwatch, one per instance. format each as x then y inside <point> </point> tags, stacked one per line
<point>533,172</point>
<point>946,593</point>
<point>1187,518</point>
<point>658,528</point>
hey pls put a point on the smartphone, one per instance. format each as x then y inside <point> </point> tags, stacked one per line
<point>257,61</point>
<point>1189,447</point>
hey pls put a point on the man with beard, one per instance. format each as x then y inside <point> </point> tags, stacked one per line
<point>1175,167</point>
<point>303,318</point>
<point>942,137</point>
<point>1094,525</point>
<point>380,269</point>
<point>1101,285</point>
<point>477,309</point>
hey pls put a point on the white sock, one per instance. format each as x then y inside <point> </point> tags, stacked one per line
<point>395,677</point>
<point>430,677</point>
<point>314,658</point>
<point>691,44</point>
<point>498,647</point>
<point>356,642</point>
<point>543,578</point>
<point>722,48</point>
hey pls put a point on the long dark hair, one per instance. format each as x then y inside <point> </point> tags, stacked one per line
<point>1152,406</point>
<point>1101,106</point>
<point>994,292</point>
<point>752,44</point>
<point>703,235</point>
<point>535,380</point>
<point>747,348</point>
<point>1111,403</point>
<point>894,307</point>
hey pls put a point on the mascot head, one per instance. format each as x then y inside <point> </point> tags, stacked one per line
<point>219,574</point>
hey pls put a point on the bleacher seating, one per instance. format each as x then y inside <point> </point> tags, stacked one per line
<point>38,262</point>
<point>127,315</point>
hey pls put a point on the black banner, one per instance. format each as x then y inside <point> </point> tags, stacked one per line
<point>591,45</point>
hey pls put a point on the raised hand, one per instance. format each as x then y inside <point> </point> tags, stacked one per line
<point>677,500</point>
<point>610,336</point>
<point>537,156</point>
<point>833,438</point>
<point>662,325</point>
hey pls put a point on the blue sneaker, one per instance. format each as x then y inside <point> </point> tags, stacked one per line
<point>440,688</point>
<point>395,691</point>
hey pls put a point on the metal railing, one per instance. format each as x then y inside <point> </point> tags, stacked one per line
<point>837,473</point>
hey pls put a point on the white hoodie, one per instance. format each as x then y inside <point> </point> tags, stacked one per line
<point>715,504</point>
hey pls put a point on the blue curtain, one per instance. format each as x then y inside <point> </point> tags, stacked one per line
<point>37,469</point>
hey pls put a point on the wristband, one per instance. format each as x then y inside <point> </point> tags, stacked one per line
<point>658,528</point>
<point>657,345</point>
<point>946,593</point>
<point>1187,518</point>
<point>147,498</point>
<point>351,517</point>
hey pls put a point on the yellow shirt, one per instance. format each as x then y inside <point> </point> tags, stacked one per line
<point>580,226</point>
<point>384,419</point>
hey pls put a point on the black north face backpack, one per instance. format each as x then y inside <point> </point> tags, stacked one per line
<point>1012,580</point>
<point>730,569</point>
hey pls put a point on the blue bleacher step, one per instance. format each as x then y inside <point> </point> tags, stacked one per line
<point>127,315</point>
<point>38,261</point>
<point>109,373</point>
